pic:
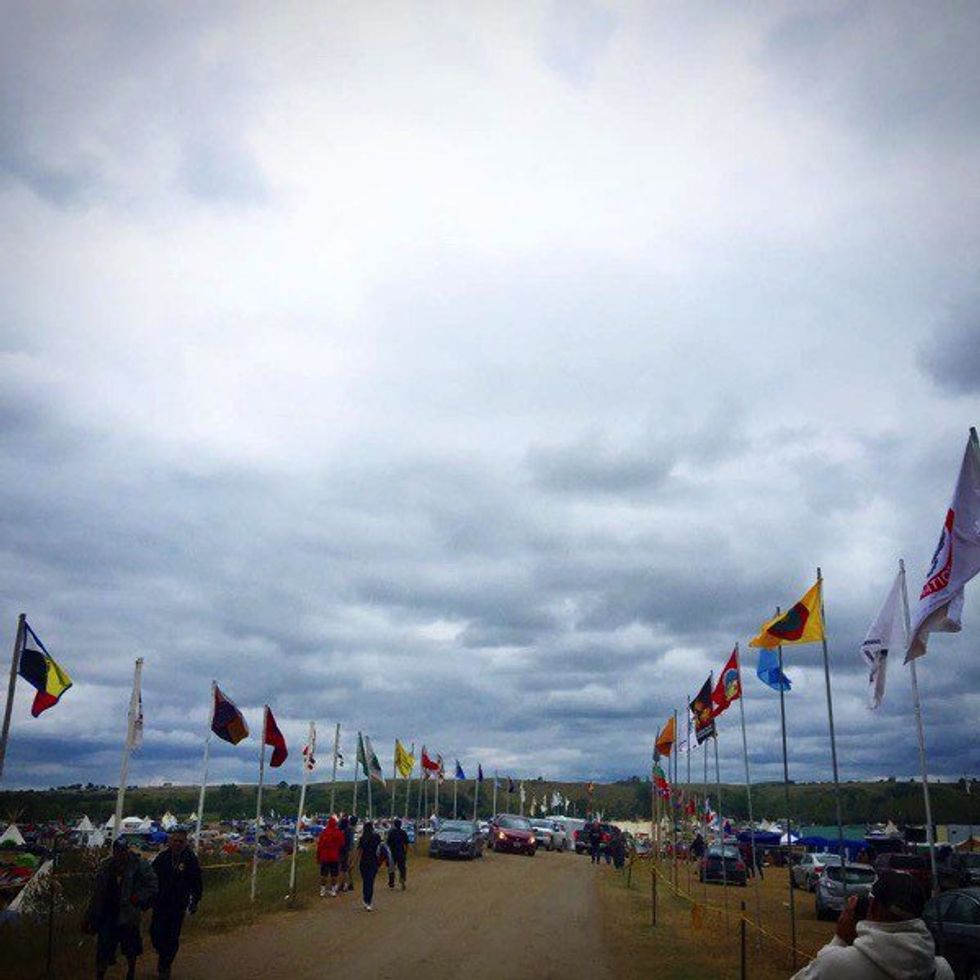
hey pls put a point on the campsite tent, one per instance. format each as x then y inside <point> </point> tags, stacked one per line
<point>12,836</point>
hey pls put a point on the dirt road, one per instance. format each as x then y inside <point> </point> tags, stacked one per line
<point>502,916</point>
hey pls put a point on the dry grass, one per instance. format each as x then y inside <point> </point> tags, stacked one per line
<point>693,937</point>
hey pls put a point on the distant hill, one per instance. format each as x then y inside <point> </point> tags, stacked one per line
<point>811,803</point>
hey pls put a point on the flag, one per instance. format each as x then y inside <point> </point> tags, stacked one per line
<point>660,782</point>
<point>886,633</point>
<point>309,751</point>
<point>136,736</point>
<point>441,770</point>
<point>801,624</point>
<point>428,764</point>
<point>590,789</point>
<point>273,738</point>
<point>459,771</point>
<point>703,712</point>
<point>404,761</point>
<point>729,686</point>
<point>667,737</point>
<point>373,767</point>
<point>954,562</point>
<point>227,721</point>
<point>40,670</point>
<point>511,788</point>
<point>479,773</point>
<point>769,673</point>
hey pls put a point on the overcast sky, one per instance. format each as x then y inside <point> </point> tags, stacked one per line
<point>481,373</point>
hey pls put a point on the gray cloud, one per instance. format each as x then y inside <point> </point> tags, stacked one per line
<point>360,366</point>
<point>951,357</point>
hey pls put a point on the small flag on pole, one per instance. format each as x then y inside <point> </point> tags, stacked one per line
<point>372,767</point>
<point>803,623</point>
<point>729,686</point>
<point>954,562</point>
<point>309,750</point>
<point>459,771</point>
<point>479,773</point>
<point>404,760</point>
<point>227,722</point>
<point>41,671</point>
<point>769,673</point>
<point>428,764</point>
<point>667,737</point>
<point>703,712</point>
<point>886,633</point>
<point>273,737</point>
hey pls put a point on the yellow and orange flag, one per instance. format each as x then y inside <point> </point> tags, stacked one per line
<point>666,738</point>
<point>801,624</point>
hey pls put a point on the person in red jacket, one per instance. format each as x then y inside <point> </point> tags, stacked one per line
<point>328,847</point>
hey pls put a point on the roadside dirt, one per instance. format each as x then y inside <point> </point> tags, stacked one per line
<point>504,916</point>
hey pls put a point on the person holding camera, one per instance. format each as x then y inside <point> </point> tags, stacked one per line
<point>884,940</point>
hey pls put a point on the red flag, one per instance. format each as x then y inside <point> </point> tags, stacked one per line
<point>428,763</point>
<point>729,686</point>
<point>274,738</point>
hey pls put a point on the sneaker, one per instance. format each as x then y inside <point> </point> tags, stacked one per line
<point>333,892</point>
<point>323,891</point>
<point>403,886</point>
<point>368,908</point>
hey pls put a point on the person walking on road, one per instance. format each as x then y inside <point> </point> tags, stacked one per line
<point>595,841</point>
<point>125,885</point>
<point>329,847</point>
<point>398,846</point>
<point>179,890</point>
<point>368,861</point>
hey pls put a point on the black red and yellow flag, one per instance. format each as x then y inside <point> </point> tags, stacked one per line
<point>41,671</point>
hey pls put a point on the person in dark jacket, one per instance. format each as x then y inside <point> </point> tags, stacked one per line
<point>179,876</point>
<point>595,840</point>
<point>368,862</point>
<point>398,846</point>
<point>618,848</point>
<point>125,885</point>
<point>697,847</point>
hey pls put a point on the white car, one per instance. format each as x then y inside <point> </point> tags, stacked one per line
<point>809,867</point>
<point>544,830</point>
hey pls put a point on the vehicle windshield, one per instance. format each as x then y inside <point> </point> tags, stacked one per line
<point>456,826</point>
<point>542,824</point>
<point>825,859</point>
<point>730,852</point>
<point>514,823</point>
<point>855,876</point>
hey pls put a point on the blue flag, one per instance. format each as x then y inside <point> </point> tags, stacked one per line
<point>459,771</point>
<point>479,773</point>
<point>769,672</point>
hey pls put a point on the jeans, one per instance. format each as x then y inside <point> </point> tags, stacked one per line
<point>368,875</point>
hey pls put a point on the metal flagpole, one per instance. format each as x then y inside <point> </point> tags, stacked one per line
<point>748,793</point>
<point>704,821</point>
<point>307,763</point>
<point>687,823</point>
<point>655,833</point>
<point>671,801</point>
<point>333,777</point>
<point>721,829</point>
<point>204,777</point>
<point>495,794</point>
<point>11,688</point>
<point>833,740</point>
<point>394,779</point>
<point>367,779</point>
<point>258,800</point>
<point>476,791</point>
<point>930,839</point>
<point>789,838</point>
<point>131,715</point>
<point>408,783</point>
<point>455,794</point>
<point>418,813</point>
<point>357,762</point>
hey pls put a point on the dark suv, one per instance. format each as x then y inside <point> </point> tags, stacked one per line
<point>582,845</point>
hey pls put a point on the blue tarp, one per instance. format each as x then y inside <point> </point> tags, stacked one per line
<point>763,837</point>
<point>851,847</point>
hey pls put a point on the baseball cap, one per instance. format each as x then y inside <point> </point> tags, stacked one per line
<point>900,894</point>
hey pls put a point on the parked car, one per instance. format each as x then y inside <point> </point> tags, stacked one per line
<point>914,864</point>
<point>834,887</point>
<point>544,831</point>
<point>509,832</point>
<point>809,867</point>
<point>457,838</point>
<point>569,825</point>
<point>959,871</point>
<point>722,863</point>
<point>958,938</point>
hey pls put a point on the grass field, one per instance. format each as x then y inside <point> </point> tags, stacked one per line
<point>694,938</point>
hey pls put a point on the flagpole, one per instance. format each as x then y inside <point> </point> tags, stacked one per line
<point>311,742</point>
<point>921,732</point>
<point>435,809</point>
<point>258,800</point>
<point>357,762</point>
<point>11,688</point>
<point>204,777</point>
<point>333,777</point>
<point>476,792</point>
<point>394,779</point>
<point>455,794</point>
<point>789,838</point>
<point>495,794</point>
<point>748,793</point>
<point>408,783</point>
<point>687,823</point>
<point>671,801</point>
<point>833,737</point>
<point>367,780</point>
<point>655,835</point>
<point>704,821</point>
<point>721,822</point>
<point>127,746</point>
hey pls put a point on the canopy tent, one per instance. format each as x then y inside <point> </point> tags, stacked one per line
<point>131,825</point>
<point>789,839</point>
<point>12,836</point>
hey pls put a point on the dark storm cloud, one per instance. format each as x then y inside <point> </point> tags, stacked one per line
<point>951,357</point>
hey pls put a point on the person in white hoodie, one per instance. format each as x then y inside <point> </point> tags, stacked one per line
<point>892,943</point>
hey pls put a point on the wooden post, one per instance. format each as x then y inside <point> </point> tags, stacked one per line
<point>11,688</point>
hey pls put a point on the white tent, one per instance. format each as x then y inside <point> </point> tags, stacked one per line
<point>130,825</point>
<point>792,839</point>
<point>192,818</point>
<point>97,838</point>
<point>168,821</point>
<point>12,836</point>
<point>84,826</point>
